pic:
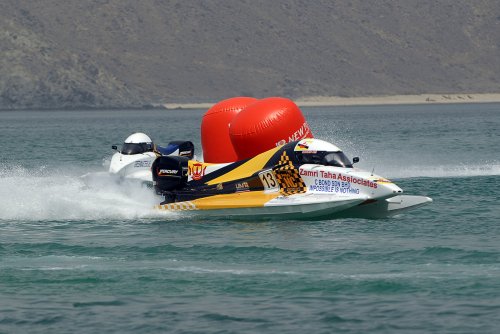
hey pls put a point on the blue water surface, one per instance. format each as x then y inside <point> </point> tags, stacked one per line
<point>75,259</point>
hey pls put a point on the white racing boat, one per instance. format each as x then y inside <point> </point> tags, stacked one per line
<point>134,160</point>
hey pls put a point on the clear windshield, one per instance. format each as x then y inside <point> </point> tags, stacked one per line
<point>337,159</point>
<point>130,148</point>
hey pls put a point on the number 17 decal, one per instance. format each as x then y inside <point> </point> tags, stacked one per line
<point>268,180</point>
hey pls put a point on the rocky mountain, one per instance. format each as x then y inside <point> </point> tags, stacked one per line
<point>128,53</point>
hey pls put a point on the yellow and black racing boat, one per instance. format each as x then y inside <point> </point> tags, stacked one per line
<point>303,179</point>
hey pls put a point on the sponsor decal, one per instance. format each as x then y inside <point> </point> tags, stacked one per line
<point>242,186</point>
<point>288,177</point>
<point>333,186</point>
<point>163,172</point>
<point>303,145</point>
<point>197,171</point>
<point>281,142</point>
<point>142,163</point>
<point>305,172</point>
<point>340,177</point>
<point>299,134</point>
<point>358,181</point>
<point>219,186</point>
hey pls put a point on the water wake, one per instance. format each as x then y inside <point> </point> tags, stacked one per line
<point>440,171</point>
<point>62,194</point>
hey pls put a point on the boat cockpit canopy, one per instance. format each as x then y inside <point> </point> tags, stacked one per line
<point>326,158</point>
<point>136,148</point>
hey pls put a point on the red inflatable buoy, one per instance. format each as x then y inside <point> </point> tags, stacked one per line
<point>265,124</point>
<point>215,141</point>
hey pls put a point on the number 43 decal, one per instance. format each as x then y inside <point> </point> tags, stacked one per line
<point>268,180</point>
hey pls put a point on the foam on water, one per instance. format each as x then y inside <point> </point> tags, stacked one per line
<point>439,171</point>
<point>62,194</point>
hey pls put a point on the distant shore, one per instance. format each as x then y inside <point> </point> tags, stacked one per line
<point>324,101</point>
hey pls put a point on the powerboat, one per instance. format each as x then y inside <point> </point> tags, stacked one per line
<point>304,179</point>
<point>134,160</point>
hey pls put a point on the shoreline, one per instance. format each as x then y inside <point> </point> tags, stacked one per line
<point>333,101</point>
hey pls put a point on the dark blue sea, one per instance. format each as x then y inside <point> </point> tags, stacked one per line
<point>79,259</point>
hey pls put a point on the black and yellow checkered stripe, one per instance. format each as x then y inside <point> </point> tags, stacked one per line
<point>180,206</point>
<point>288,177</point>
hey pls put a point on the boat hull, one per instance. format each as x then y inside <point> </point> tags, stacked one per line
<point>387,207</point>
<point>251,205</point>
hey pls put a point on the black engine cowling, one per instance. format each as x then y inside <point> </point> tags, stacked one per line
<point>186,148</point>
<point>169,173</point>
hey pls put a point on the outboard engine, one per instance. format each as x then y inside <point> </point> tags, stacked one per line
<point>169,173</point>
<point>178,147</point>
<point>186,148</point>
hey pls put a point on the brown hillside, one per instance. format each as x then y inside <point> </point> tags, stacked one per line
<point>116,53</point>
